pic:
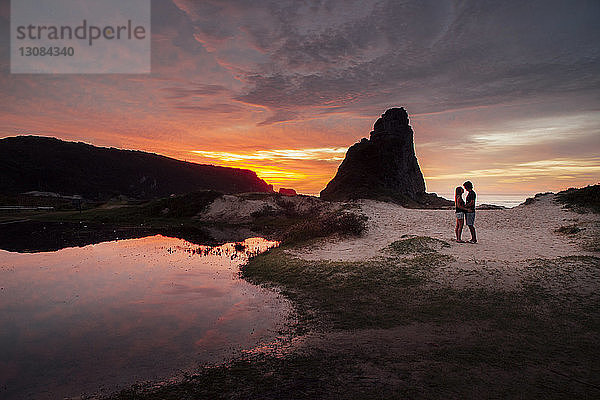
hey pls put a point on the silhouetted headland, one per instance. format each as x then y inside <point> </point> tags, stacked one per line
<point>34,163</point>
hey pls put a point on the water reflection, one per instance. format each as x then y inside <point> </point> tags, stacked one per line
<point>239,250</point>
<point>92,318</point>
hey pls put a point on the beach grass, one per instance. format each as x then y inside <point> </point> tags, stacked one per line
<point>581,200</point>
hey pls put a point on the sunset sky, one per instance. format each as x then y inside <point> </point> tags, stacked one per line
<point>504,93</point>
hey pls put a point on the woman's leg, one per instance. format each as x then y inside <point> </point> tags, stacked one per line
<point>458,229</point>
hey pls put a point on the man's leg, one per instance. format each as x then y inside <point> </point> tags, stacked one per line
<point>473,234</point>
<point>471,224</point>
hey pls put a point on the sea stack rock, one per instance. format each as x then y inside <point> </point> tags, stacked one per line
<point>382,167</point>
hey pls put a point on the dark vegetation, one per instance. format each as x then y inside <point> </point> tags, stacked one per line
<point>581,200</point>
<point>569,229</point>
<point>172,208</point>
<point>324,224</point>
<point>54,203</point>
<point>531,200</point>
<point>297,223</point>
<point>32,163</point>
<point>292,225</point>
<point>418,244</point>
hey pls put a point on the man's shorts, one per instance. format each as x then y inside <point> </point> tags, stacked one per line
<point>470,218</point>
<point>460,215</point>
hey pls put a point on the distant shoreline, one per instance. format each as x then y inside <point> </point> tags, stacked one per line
<point>505,200</point>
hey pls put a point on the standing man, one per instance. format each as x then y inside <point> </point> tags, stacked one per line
<point>470,214</point>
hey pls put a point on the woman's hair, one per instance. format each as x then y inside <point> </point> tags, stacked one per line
<point>459,190</point>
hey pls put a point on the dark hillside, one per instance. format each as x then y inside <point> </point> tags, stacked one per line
<point>33,163</point>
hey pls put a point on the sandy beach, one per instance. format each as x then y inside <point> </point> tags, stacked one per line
<point>508,240</point>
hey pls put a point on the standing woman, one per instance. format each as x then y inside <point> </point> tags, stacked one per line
<point>460,212</point>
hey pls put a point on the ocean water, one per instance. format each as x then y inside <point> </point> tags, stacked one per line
<point>506,200</point>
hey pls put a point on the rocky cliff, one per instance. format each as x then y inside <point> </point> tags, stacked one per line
<point>383,167</point>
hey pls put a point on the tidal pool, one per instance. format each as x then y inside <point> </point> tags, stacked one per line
<point>97,318</point>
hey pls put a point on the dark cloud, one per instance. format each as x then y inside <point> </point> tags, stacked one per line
<point>428,55</point>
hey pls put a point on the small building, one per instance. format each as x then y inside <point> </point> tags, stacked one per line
<point>287,192</point>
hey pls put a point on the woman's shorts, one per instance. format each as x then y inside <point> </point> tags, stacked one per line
<point>460,215</point>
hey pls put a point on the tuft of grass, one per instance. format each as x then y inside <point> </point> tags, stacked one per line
<point>419,244</point>
<point>568,229</point>
<point>325,224</point>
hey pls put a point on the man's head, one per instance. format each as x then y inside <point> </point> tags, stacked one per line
<point>468,185</point>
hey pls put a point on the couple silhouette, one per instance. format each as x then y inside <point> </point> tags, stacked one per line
<point>465,209</point>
